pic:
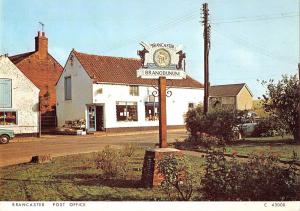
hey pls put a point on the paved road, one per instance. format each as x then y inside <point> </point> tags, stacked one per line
<point>21,150</point>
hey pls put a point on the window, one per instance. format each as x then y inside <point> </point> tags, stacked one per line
<point>126,111</point>
<point>134,90</point>
<point>215,102</point>
<point>68,88</point>
<point>5,93</point>
<point>151,111</point>
<point>227,100</point>
<point>191,105</point>
<point>8,117</point>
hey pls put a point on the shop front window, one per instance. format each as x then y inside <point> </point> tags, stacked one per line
<point>151,111</point>
<point>126,111</point>
<point>8,117</point>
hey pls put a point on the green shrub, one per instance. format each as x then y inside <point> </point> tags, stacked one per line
<point>261,178</point>
<point>221,124</point>
<point>204,140</point>
<point>112,162</point>
<point>129,150</point>
<point>268,127</point>
<point>179,180</point>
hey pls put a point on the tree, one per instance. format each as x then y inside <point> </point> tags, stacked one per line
<point>282,101</point>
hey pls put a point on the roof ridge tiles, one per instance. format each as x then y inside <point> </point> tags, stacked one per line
<point>105,56</point>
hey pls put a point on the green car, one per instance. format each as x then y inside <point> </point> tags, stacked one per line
<point>6,135</point>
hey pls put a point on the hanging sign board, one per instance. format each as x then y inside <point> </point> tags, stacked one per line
<point>161,59</point>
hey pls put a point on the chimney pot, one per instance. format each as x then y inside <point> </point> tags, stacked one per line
<point>41,45</point>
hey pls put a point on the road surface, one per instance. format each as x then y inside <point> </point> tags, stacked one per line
<point>21,150</point>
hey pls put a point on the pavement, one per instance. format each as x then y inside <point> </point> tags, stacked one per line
<point>21,150</point>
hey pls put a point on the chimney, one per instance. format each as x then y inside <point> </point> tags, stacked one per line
<point>41,45</point>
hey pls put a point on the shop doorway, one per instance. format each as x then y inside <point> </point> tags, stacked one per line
<point>91,120</point>
<point>95,118</point>
<point>99,118</point>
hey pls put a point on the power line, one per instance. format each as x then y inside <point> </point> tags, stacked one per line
<point>246,43</point>
<point>191,15</point>
<point>157,27</point>
<point>256,18</point>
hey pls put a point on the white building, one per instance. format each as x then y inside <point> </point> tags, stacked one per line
<point>106,92</point>
<point>19,100</point>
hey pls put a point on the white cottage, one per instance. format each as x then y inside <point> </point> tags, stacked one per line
<point>19,100</point>
<point>106,92</point>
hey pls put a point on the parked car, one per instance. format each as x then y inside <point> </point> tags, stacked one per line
<point>6,135</point>
<point>247,128</point>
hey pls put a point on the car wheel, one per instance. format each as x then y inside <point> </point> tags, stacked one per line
<point>4,139</point>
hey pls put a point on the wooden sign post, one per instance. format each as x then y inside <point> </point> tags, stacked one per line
<point>162,82</point>
<point>160,61</point>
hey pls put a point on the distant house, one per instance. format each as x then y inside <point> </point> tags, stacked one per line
<point>19,100</point>
<point>106,92</point>
<point>232,96</point>
<point>43,70</point>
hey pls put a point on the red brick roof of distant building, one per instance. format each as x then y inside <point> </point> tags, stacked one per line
<point>118,70</point>
<point>41,68</point>
<point>227,90</point>
<point>18,58</point>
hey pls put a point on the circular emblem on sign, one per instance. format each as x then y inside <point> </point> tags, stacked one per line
<point>162,58</point>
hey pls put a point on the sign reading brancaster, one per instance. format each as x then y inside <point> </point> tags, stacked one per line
<point>161,59</point>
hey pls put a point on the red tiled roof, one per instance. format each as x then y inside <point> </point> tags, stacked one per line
<point>226,90</point>
<point>17,58</point>
<point>118,70</point>
<point>43,72</point>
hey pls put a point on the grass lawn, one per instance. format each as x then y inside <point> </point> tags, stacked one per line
<point>282,146</point>
<point>76,177</point>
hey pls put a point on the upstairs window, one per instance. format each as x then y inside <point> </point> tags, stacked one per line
<point>68,88</point>
<point>134,90</point>
<point>5,93</point>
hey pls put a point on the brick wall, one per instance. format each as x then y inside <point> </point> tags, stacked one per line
<point>44,73</point>
<point>43,70</point>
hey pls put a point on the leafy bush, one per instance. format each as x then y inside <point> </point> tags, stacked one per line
<point>204,140</point>
<point>179,180</point>
<point>282,101</point>
<point>129,150</point>
<point>261,178</point>
<point>114,162</point>
<point>268,127</point>
<point>221,124</point>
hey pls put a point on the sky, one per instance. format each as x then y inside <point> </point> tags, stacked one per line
<point>251,40</point>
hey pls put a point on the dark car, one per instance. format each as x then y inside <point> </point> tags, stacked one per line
<point>6,135</point>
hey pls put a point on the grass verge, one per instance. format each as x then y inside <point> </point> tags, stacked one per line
<point>76,178</point>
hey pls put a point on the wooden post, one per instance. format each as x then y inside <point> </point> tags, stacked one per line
<point>206,34</point>
<point>298,129</point>
<point>162,113</point>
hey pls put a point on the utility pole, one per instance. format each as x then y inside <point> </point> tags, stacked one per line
<point>298,122</point>
<point>206,36</point>
<point>299,43</point>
